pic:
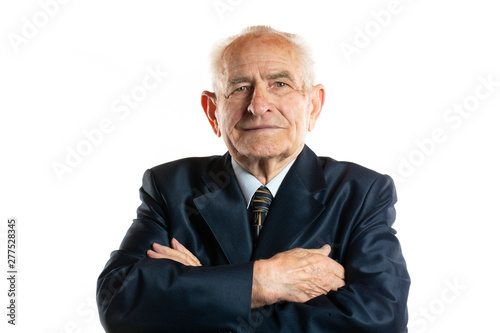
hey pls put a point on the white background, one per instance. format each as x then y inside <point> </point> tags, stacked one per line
<point>380,101</point>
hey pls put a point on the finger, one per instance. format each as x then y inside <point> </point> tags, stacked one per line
<point>337,283</point>
<point>155,255</point>
<point>179,247</point>
<point>324,250</point>
<point>181,254</point>
<point>161,248</point>
<point>160,251</point>
<point>338,269</point>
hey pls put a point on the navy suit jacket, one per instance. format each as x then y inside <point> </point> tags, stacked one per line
<point>198,201</point>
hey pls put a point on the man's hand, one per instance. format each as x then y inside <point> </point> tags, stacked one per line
<point>177,252</point>
<point>297,275</point>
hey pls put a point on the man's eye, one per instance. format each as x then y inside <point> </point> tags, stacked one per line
<point>280,84</point>
<point>240,89</point>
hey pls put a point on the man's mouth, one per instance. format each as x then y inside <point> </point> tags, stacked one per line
<point>261,128</point>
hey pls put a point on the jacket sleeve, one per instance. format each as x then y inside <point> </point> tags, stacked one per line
<point>139,294</point>
<point>377,282</point>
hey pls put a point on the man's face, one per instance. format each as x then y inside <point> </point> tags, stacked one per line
<point>263,109</point>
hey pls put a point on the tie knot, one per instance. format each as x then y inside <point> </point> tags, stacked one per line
<point>261,200</point>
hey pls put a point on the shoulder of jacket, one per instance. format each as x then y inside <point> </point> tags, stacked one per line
<point>348,170</point>
<point>185,164</point>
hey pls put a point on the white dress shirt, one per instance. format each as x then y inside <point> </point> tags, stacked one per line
<point>249,184</point>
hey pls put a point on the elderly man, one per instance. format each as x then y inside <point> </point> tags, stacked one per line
<point>268,237</point>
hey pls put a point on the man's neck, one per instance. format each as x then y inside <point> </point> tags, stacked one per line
<point>265,169</point>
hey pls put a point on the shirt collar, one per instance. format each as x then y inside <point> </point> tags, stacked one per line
<point>249,184</point>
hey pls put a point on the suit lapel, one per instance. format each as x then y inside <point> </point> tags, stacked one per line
<point>294,209</point>
<point>224,210</point>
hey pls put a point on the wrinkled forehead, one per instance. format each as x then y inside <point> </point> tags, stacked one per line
<point>260,49</point>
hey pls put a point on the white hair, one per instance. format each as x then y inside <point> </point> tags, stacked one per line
<point>302,48</point>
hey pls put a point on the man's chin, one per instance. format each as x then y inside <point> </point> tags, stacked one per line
<point>262,151</point>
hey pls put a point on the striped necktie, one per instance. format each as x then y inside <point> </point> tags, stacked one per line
<point>260,206</point>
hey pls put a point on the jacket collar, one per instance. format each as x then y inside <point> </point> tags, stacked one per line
<point>224,209</point>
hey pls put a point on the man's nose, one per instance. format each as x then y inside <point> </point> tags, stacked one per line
<point>261,101</point>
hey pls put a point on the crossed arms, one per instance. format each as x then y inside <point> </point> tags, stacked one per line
<point>296,275</point>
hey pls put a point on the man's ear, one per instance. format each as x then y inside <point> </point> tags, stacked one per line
<point>209,105</point>
<point>317,101</point>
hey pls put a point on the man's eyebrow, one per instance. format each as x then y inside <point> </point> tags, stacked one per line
<point>281,75</point>
<point>239,79</point>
